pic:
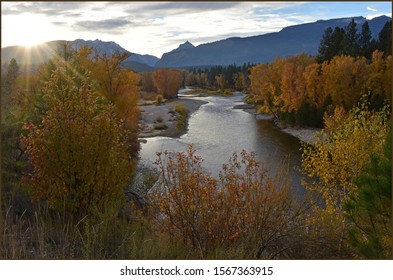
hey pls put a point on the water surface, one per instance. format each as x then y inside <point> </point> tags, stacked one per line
<point>217,131</point>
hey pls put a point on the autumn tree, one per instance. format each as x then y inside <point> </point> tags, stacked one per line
<point>167,82</point>
<point>265,86</point>
<point>343,79</point>
<point>147,83</point>
<point>293,86</point>
<point>118,85</point>
<point>377,82</point>
<point>337,158</point>
<point>369,208</point>
<point>80,162</point>
<point>221,82</point>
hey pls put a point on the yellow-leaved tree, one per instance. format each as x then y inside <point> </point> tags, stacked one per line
<point>79,151</point>
<point>339,156</point>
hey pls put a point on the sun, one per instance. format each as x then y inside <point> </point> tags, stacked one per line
<point>26,29</point>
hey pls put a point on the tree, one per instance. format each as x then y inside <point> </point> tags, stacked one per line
<point>118,85</point>
<point>167,82</point>
<point>265,85</point>
<point>337,158</point>
<point>293,88</point>
<point>351,39</point>
<point>343,79</point>
<point>79,151</point>
<point>369,209</point>
<point>385,39</point>
<point>325,48</point>
<point>377,82</point>
<point>365,41</point>
<point>12,74</point>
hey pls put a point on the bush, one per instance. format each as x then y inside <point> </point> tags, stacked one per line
<point>183,114</point>
<point>160,99</point>
<point>245,209</point>
<point>79,152</point>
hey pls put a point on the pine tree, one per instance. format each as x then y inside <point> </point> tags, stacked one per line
<point>325,46</point>
<point>351,39</point>
<point>365,41</point>
<point>385,39</point>
<point>370,208</point>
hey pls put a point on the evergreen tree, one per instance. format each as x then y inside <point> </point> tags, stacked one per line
<point>370,208</point>
<point>365,41</point>
<point>325,46</point>
<point>385,39</point>
<point>351,39</point>
<point>338,41</point>
<point>12,74</point>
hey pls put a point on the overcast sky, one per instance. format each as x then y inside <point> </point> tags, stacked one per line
<point>158,27</point>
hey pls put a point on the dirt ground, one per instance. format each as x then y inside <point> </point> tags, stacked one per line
<point>161,120</point>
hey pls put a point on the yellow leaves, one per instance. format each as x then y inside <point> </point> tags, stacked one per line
<point>79,150</point>
<point>341,152</point>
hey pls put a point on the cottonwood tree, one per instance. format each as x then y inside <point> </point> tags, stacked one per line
<point>167,82</point>
<point>78,152</point>
<point>336,159</point>
<point>369,208</point>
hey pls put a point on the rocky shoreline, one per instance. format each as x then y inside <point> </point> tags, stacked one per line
<point>161,120</point>
<point>305,134</point>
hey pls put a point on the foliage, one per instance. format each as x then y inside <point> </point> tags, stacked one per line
<point>369,209</point>
<point>182,118</point>
<point>337,158</point>
<point>222,77</point>
<point>348,41</point>
<point>299,91</point>
<point>167,82</point>
<point>245,209</point>
<point>159,99</point>
<point>79,151</point>
<point>118,85</point>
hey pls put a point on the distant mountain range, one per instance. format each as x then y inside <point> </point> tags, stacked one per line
<point>256,49</point>
<point>263,48</point>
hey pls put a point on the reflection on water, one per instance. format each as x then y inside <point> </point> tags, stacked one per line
<point>217,131</point>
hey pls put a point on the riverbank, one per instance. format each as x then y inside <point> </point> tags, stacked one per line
<point>162,120</point>
<point>306,135</point>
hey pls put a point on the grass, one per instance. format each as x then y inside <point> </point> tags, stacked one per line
<point>183,115</point>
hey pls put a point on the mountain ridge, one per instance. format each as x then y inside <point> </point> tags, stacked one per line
<point>255,49</point>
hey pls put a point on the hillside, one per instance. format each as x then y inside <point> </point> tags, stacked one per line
<point>35,55</point>
<point>263,48</point>
<point>256,49</point>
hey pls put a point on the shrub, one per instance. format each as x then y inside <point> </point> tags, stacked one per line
<point>79,152</point>
<point>160,99</point>
<point>245,209</point>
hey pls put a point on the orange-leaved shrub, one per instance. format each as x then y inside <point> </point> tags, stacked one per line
<point>246,212</point>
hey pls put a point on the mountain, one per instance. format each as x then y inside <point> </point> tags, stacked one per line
<point>256,49</point>
<point>36,55</point>
<point>262,48</point>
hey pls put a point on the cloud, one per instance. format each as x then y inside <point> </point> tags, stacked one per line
<point>44,8</point>
<point>372,9</point>
<point>114,26</point>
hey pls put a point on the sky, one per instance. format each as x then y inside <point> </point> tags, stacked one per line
<point>158,27</point>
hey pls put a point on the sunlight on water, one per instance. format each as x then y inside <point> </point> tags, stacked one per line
<point>217,131</point>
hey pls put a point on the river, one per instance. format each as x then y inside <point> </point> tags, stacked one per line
<point>217,130</point>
